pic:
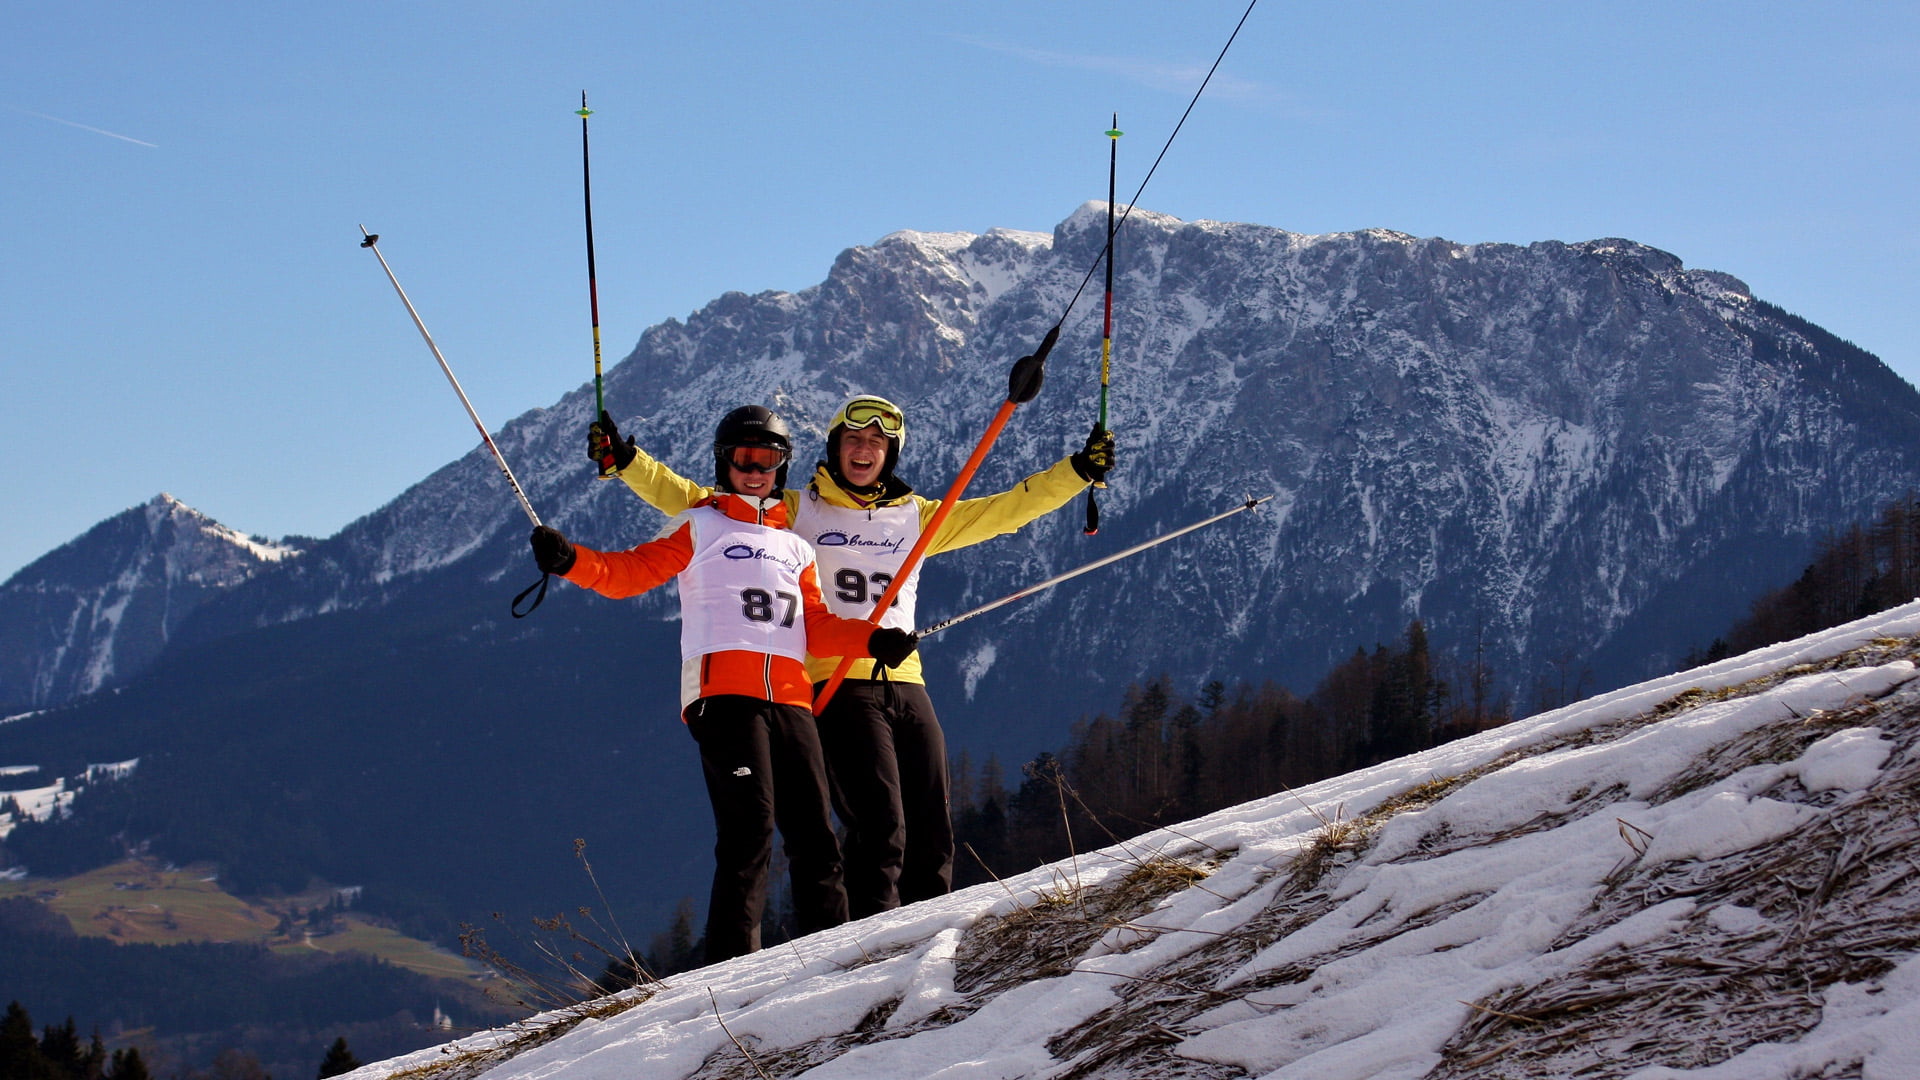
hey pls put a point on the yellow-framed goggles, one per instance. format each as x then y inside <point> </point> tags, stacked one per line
<point>863,412</point>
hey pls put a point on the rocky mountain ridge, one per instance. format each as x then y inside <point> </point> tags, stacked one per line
<point>1540,451</point>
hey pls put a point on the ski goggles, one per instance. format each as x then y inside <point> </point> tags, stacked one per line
<point>871,412</point>
<point>756,457</point>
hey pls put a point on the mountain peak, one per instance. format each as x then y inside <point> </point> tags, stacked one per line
<point>99,607</point>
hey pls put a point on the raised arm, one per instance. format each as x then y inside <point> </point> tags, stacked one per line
<point>974,520</point>
<point>663,489</point>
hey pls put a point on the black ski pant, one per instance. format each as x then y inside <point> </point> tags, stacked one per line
<point>764,770</point>
<point>887,759</point>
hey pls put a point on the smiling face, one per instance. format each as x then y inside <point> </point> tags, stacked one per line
<point>863,455</point>
<point>753,484</point>
<point>754,470</point>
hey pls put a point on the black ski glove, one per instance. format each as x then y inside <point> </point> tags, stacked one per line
<point>890,647</point>
<point>1094,460</point>
<point>604,447</point>
<point>551,551</point>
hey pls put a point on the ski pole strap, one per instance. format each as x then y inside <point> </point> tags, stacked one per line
<point>538,597</point>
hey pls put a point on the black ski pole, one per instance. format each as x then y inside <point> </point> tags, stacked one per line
<point>1106,322</point>
<point>1164,147</point>
<point>593,289</point>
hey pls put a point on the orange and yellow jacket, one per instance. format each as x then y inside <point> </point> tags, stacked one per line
<point>970,522</point>
<point>780,679</point>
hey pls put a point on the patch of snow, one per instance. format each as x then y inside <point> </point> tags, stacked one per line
<point>976,665</point>
<point>1844,761</point>
<point>946,244</point>
<point>113,770</point>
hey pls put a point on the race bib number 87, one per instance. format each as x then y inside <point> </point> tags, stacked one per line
<point>758,605</point>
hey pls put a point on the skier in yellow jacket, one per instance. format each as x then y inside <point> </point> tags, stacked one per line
<point>886,754</point>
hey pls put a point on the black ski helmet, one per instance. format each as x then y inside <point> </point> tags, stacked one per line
<point>749,425</point>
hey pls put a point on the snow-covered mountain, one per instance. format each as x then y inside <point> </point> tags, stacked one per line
<point>1578,460</point>
<point>102,606</point>
<point>1709,875</point>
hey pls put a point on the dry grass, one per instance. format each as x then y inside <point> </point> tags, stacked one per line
<point>1839,904</point>
<point>466,1063</point>
<point>1047,938</point>
<point>1709,1006</point>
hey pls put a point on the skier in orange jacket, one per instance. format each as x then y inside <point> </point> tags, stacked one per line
<point>751,612</point>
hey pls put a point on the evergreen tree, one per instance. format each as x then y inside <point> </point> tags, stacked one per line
<point>93,1064</point>
<point>677,948</point>
<point>339,1060</point>
<point>1037,831</point>
<point>1400,716</point>
<point>1183,760</point>
<point>993,782</point>
<point>1856,572</point>
<point>1212,696</point>
<point>60,1046</point>
<point>1145,747</point>
<point>980,833</point>
<point>128,1065</point>
<point>960,784</point>
<point>622,973</point>
<point>779,921</point>
<point>20,1056</point>
<point>1167,759</point>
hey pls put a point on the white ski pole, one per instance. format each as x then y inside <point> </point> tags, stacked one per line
<point>1094,565</point>
<point>373,239</point>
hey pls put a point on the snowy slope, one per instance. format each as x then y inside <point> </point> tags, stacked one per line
<point>1710,875</point>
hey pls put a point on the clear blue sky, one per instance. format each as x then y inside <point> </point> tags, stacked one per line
<point>185,307</point>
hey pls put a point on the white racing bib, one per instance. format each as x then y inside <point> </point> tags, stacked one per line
<point>742,589</point>
<point>859,553</point>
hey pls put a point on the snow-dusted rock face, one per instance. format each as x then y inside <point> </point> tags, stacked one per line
<point>102,606</point>
<point>1581,460</point>
<point>1555,448</point>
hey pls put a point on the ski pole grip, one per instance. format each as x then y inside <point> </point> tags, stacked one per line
<point>1029,372</point>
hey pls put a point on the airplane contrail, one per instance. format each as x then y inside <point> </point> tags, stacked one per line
<point>85,127</point>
